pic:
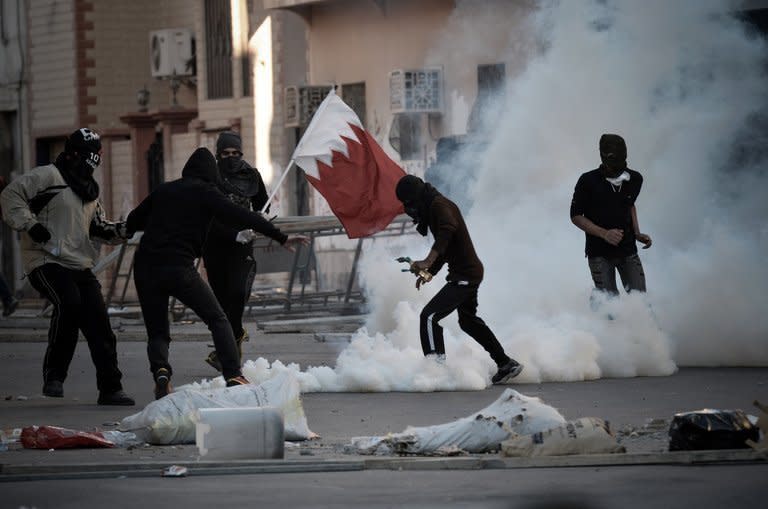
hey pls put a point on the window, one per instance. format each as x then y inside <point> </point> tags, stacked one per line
<point>353,94</point>
<point>218,48</point>
<point>405,136</point>
<point>490,88</point>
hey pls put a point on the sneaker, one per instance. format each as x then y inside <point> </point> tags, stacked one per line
<point>162,383</point>
<point>10,306</point>
<point>437,357</point>
<point>53,389</point>
<point>507,372</point>
<point>237,380</point>
<point>118,398</point>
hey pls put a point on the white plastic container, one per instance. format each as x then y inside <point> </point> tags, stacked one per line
<point>240,433</point>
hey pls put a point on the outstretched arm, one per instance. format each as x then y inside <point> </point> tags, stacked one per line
<point>109,231</point>
<point>138,217</point>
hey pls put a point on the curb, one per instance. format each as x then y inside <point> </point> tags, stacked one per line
<point>17,473</point>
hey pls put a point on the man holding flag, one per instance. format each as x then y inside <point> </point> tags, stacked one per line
<point>366,190</point>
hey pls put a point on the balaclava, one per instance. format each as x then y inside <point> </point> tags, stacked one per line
<point>81,157</point>
<point>417,197</point>
<point>228,139</point>
<point>237,176</point>
<point>613,154</point>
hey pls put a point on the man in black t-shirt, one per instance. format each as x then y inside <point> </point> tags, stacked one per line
<point>603,206</point>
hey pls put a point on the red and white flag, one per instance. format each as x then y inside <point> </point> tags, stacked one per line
<point>346,165</point>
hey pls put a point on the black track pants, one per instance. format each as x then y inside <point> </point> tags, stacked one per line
<point>77,306</point>
<point>457,295</point>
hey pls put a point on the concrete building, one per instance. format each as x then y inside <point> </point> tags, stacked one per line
<point>424,76</point>
<point>156,79</point>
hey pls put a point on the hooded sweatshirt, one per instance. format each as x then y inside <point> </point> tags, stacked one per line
<point>176,216</point>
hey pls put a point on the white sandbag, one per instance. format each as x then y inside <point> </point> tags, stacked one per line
<point>588,435</point>
<point>513,413</point>
<point>171,420</point>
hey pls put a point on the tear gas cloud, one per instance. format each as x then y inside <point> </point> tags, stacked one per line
<point>682,82</point>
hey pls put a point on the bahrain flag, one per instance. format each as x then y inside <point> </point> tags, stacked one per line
<point>346,165</point>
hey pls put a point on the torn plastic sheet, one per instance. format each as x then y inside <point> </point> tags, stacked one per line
<point>511,414</point>
<point>172,419</point>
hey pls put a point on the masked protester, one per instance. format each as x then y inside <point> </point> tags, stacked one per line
<point>228,253</point>
<point>433,212</point>
<point>175,219</point>
<point>57,206</point>
<point>603,206</point>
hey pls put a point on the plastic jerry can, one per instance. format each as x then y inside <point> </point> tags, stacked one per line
<point>240,433</point>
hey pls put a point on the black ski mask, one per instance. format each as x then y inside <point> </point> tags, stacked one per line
<point>613,154</point>
<point>81,157</point>
<point>417,197</point>
<point>238,177</point>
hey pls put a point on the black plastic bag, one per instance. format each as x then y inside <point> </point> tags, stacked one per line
<point>711,429</point>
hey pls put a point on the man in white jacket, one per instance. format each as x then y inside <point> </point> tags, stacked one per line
<point>57,206</point>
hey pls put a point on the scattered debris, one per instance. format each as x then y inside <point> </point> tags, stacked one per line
<point>762,424</point>
<point>54,437</point>
<point>513,413</point>
<point>175,471</point>
<point>711,429</point>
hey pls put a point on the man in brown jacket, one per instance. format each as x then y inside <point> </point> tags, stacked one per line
<point>431,211</point>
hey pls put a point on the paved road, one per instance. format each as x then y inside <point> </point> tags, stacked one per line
<point>626,403</point>
<point>564,488</point>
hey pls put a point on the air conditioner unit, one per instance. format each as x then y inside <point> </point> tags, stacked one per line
<point>301,102</point>
<point>171,52</point>
<point>416,90</point>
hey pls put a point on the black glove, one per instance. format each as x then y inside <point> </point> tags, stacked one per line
<point>39,233</point>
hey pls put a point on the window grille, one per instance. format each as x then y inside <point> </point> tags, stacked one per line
<point>218,48</point>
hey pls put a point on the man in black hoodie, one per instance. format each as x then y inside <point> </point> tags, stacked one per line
<point>431,211</point>
<point>175,219</point>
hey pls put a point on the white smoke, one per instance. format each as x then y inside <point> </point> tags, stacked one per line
<point>681,81</point>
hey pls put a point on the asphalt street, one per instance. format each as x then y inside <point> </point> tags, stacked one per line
<point>319,473</point>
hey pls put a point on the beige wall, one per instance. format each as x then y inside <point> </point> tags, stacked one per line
<point>183,146</point>
<point>266,142</point>
<point>52,72</point>
<point>353,41</point>
<point>121,55</point>
<point>121,156</point>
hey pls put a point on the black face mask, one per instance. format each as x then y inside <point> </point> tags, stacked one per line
<point>86,164</point>
<point>238,177</point>
<point>77,172</point>
<point>229,165</point>
<point>412,209</point>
